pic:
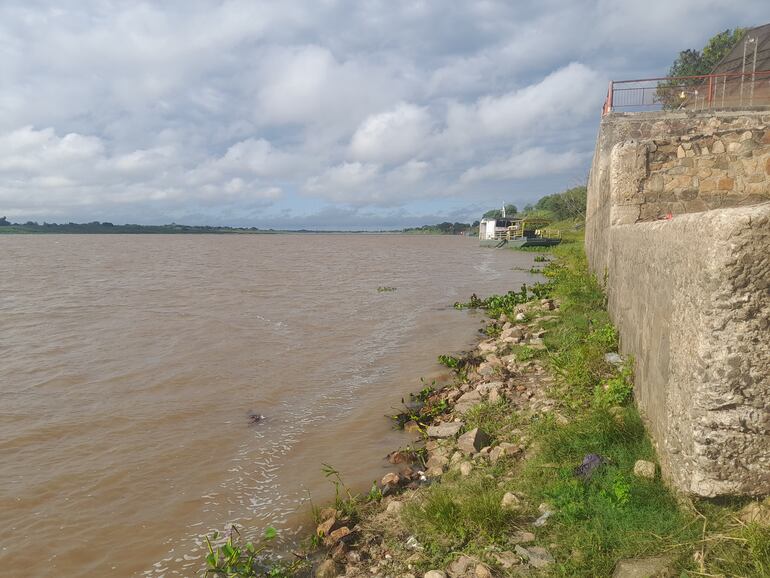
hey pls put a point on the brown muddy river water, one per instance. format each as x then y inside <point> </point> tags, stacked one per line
<point>129,365</point>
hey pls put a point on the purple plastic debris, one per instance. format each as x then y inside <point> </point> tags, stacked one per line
<point>590,463</point>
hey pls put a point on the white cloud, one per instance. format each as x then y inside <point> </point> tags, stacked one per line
<point>392,136</point>
<point>119,110</point>
<point>530,163</point>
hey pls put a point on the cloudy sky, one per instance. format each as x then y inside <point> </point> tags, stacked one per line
<point>318,113</point>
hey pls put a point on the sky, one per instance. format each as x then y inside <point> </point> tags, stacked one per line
<point>317,114</point>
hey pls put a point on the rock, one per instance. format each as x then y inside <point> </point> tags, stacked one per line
<point>460,566</point>
<point>398,457</point>
<point>465,469</point>
<point>339,552</point>
<point>487,346</point>
<point>467,401</point>
<point>644,469</point>
<point>510,501</point>
<point>395,508</point>
<point>495,454</point>
<point>542,520</point>
<point>494,396</point>
<point>325,527</point>
<point>434,472</point>
<point>472,441</point>
<point>353,557</point>
<point>434,574</point>
<point>756,513</point>
<point>327,569</point>
<point>520,317</point>
<point>539,557</point>
<point>390,480</point>
<point>337,535</point>
<point>613,358</point>
<point>412,427</point>
<point>507,559</point>
<point>643,567</point>
<point>522,537</point>
<point>505,449</point>
<point>486,388</point>
<point>482,571</point>
<point>437,461</point>
<point>445,430</point>
<point>456,458</point>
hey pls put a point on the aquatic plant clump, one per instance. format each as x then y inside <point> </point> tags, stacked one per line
<point>497,305</point>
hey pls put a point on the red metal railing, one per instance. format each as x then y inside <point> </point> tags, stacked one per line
<point>723,90</point>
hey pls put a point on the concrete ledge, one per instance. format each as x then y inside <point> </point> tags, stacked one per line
<point>691,299</point>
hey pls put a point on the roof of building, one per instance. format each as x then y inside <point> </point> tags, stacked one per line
<point>733,60</point>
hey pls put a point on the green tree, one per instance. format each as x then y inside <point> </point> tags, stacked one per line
<point>510,211</point>
<point>692,62</point>
<point>570,204</point>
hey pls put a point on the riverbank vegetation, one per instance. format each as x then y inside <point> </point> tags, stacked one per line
<point>534,460</point>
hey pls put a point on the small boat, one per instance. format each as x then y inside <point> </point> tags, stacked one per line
<point>526,232</point>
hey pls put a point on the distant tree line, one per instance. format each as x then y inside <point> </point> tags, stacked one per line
<point>445,228</point>
<point>109,228</point>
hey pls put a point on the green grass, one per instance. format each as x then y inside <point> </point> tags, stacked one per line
<point>495,419</point>
<point>610,516</point>
<point>613,514</point>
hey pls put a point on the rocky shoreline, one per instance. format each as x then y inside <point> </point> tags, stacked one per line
<point>377,541</point>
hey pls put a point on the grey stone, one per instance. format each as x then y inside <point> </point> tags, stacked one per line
<point>460,566</point>
<point>444,430</point>
<point>658,567</point>
<point>644,469</point>
<point>472,441</point>
<point>510,501</point>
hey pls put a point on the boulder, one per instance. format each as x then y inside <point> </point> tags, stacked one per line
<point>434,574</point>
<point>644,469</point>
<point>539,557</point>
<point>657,567</point>
<point>472,441</point>
<point>505,449</point>
<point>467,401</point>
<point>437,460</point>
<point>521,537</point>
<point>482,571</point>
<point>459,567</point>
<point>337,535</point>
<point>485,388</point>
<point>390,480</point>
<point>757,513</point>
<point>506,559</point>
<point>325,527</point>
<point>412,427</point>
<point>444,430</point>
<point>510,501</point>
<point>465,469</point>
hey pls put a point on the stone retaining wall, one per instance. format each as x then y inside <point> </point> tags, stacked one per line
<point>691,295</point>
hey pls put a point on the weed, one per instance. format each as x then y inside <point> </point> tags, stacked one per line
<point>449,361</point>
<point>386,289</point>
<point>235,559</point>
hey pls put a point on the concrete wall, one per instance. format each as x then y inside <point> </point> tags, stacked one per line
<point>690,295</point>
